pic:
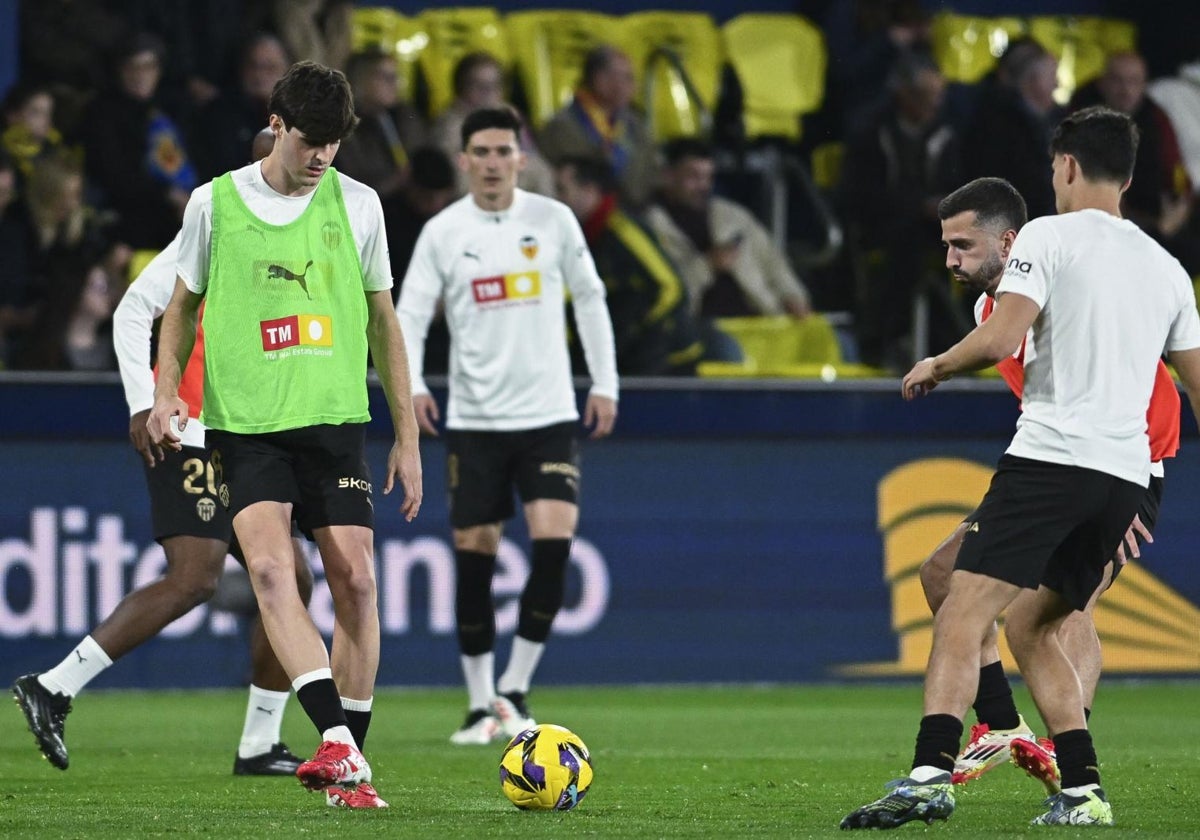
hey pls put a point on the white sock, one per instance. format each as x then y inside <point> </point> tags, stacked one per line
<point>479,672</point>
<point>1079,790</point>
<point>80,667</point>
<point>522,662</point>
<point>357,705</point>
<point>924,773</point>
<point>310,677</point>
<point>340,734</point>
<point>264,715</point>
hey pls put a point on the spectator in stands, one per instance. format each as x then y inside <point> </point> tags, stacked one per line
<point>19,296</point>
<point>29,132</point>
<point>1009,136</point>
<point>376,152</point>
<point>897,170</point>
<point>1179,96</point>
<point>726,256</point>
<point>1159,200</point>
<point>430,188</point>
<point>479,82</point>
<point>73,330</point>
<point>134,150</point>
<point>227,125</point>
<point>315,30</point>
<point>655,331</point>
<point>65,227</point>
<point>868,37</point>
<point>600,121</point>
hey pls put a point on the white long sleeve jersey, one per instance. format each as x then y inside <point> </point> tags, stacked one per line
<point>502,277</point>
<point>144,302</point>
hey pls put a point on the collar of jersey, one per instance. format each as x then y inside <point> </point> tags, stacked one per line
<point>496,216</point>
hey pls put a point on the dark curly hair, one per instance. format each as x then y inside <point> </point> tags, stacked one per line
<point>316,100</point>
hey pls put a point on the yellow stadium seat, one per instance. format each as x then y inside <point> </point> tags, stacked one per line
<point>138,262</point>
<point>966,48</point>
<point>780,61</point>
<point>775,345</point>
<point>453,33</point>
<point>386,30</point>
<point>1082,46</point>
<point>548,48</point>
<point>694,39</point>
<point>827,164</point>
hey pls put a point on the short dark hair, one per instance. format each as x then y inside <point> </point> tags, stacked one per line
<point>482,119</point>
<point>467,65</point>
<point>596,61</point>
<point>431,169</point>
<point>681,148</point>
<point>316,100</point>
<point>591,172</point>
<point>996,203</point>
<point>359,64</point>
<point>1104,141</point>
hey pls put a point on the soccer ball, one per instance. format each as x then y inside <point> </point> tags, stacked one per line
<point>545,768</point>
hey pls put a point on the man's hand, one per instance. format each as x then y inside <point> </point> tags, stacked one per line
<point>600,415</point>
<point>920,380</point>
<point>404,463</point>
<point>1136,527</point>
<point>139,436</point>
<point>158,423</point>
<point>723,257</point>
<point>425,407</point>
<point>798,308</point>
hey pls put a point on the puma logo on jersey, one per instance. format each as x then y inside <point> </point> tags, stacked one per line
<point>278,272</point>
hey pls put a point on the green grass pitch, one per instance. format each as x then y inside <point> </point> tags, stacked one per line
<point>720,762</point>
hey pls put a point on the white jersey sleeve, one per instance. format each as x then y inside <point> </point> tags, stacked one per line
<point>419,295</point>
<point>1033,262</point>
<point>195,239</point>
<point>144,301</point>
<point>591,310</point>
<point>365,213</point>
<point>1185,329</point>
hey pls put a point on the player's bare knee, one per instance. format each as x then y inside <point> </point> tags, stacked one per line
<point>271,574</point>
<point>355,585</point>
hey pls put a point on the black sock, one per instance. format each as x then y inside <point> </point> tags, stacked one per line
<point>938,741</point>
<point>322,704</point>
<point>359,723</point>
<point>1076,758</point>
<point>543,594</point>
<point>474,613</point>
<point>994,703</point>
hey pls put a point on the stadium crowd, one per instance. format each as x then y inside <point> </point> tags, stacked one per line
<point>123,107</point>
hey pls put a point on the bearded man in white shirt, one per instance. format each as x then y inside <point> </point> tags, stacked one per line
<point>1104,301</point>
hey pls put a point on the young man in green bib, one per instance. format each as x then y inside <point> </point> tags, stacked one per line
<point>290,261</point>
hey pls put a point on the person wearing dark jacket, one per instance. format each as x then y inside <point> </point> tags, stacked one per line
<point>655,332</point>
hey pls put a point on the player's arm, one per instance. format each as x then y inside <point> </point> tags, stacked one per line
<point>391,364</point>
<point>175,341</point>
<point>1023,291</point>
<point>995,339</point>
<point>144,301</point>
<point>419,295</point>
<point>594,325</point>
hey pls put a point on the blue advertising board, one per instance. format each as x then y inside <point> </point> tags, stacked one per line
<point>759,550</point>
